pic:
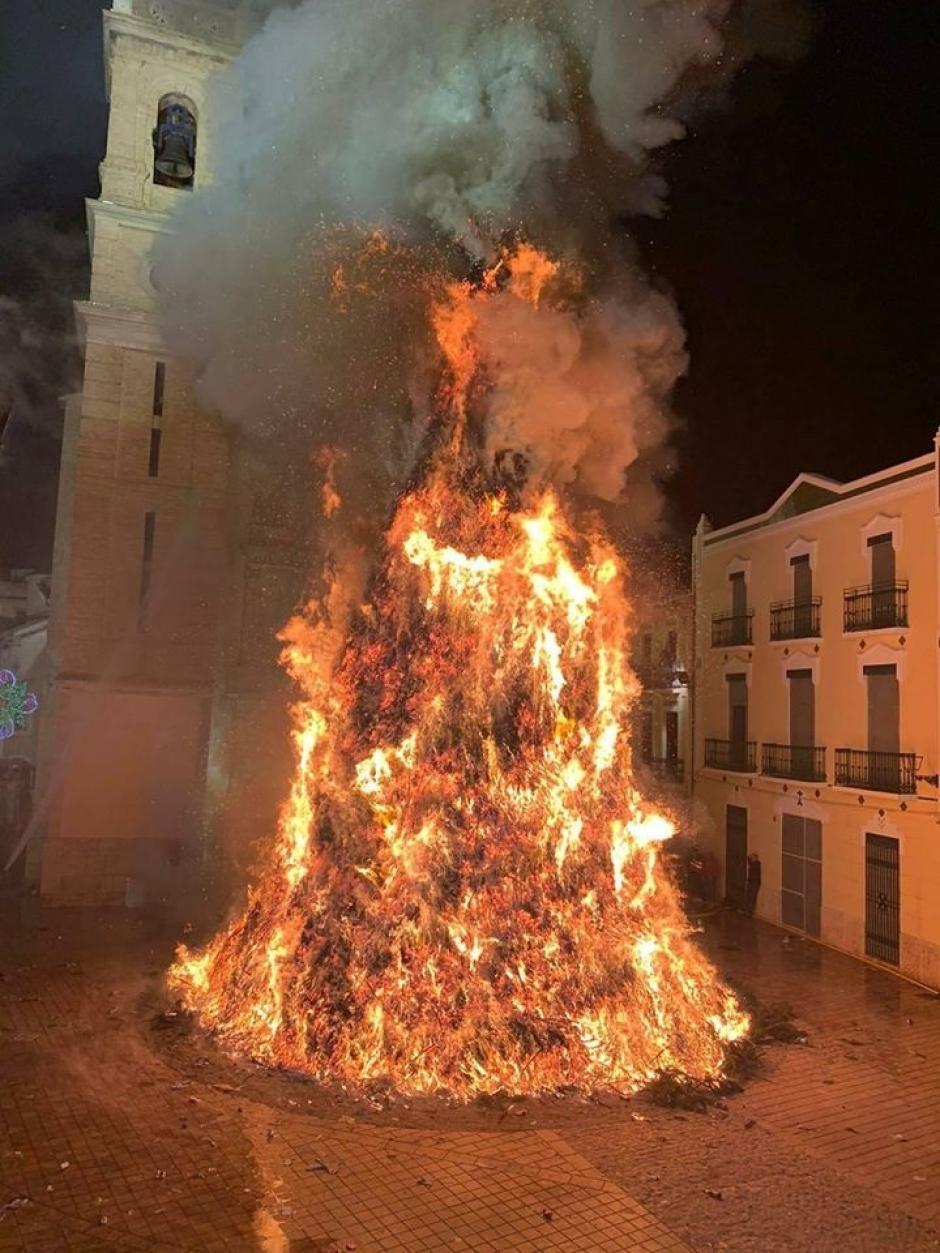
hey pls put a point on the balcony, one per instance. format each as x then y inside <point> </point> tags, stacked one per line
<point>868,608</point>
<point>660,677</point>
<point>667,768</point>
<point>878,772</point>
<point>795,620</point>
<point>794,761</point>
<point>730,629</point>
<point>731,755</point>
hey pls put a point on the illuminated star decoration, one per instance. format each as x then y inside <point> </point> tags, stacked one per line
<point>15,704</point>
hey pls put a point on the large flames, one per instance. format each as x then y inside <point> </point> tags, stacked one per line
<point>466,893</point>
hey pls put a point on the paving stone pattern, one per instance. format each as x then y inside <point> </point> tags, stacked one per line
<point>113,1150</point>
<point>865,1096</point>
<point>836,1146</point>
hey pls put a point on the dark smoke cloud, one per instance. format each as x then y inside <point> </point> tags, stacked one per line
<point>43,268</point>
<point>446,124</point>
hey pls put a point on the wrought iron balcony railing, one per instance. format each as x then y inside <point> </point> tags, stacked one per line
<point>794,761</point>
<point>732,755</point>
<point>733,628</point>
<point>668,768</point>
<point>795,619</point>
<point>660,676</point>
<point>880,772</point>
<point>882,605</point>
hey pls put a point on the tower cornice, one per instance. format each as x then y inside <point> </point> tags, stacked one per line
<point>126,25</point>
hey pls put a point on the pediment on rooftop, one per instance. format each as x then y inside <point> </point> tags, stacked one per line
<point>805,493</point>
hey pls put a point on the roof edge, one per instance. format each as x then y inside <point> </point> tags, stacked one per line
<point>925,461</point>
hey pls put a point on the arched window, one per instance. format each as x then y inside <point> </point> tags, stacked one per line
<point>174,142</point>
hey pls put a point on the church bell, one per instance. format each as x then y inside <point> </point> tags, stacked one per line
<point>174,144</point>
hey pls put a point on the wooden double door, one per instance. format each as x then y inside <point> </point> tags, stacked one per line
<point>801,873</point>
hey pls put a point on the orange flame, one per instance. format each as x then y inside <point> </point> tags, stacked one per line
<point>466,893</point>
<point>525,272</point>
<point>330,499</point>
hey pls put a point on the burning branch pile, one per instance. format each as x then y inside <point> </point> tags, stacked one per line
<point>466,892</point>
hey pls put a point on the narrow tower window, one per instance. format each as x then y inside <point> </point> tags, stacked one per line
<point>146,564</point>
<point>159,376</point>
<point>174,143</point>
<point>153,468</point>
<point>159,382</point>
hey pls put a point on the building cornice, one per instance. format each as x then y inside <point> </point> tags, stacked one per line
<point>131,216</point>
<point>123,328</point>
<point>127,25</point>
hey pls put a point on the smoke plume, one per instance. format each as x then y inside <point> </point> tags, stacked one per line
<point>447,126</point>
<point>42,270</point>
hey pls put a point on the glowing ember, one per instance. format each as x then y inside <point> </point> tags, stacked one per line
<point>466,893</point>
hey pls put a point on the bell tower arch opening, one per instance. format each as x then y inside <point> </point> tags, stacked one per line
<point>174,142</point>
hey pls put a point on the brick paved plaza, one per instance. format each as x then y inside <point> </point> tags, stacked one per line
<point>122,1129</point>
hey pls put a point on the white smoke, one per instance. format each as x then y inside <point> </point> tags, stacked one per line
<point>581,392</point>
<point>392,111</point>
<point>444,123</point>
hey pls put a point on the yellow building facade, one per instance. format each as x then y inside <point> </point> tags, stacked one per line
<point>816,711</point>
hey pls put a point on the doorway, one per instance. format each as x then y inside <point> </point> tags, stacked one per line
<point>736,856</point>
<point>801,874</point>
<point>883,898</point>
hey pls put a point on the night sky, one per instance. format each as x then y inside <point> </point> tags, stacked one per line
<point>52,101</point>
<point>799,246</point>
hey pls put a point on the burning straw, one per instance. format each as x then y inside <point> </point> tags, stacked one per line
<point>466,892</point>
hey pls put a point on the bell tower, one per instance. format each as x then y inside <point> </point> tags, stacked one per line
<point>140,549</point>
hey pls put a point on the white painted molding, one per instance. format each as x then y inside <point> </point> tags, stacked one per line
<point>790,804</point>
<point>800,659</point>
<point>736,665</point>
<point>881,524</point>
<point>875,824</point>
<point>801,547</point>
<point>739,565</point>
<point>880,655</point>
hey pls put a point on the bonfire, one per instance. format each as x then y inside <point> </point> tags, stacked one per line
<point>467,891</point>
